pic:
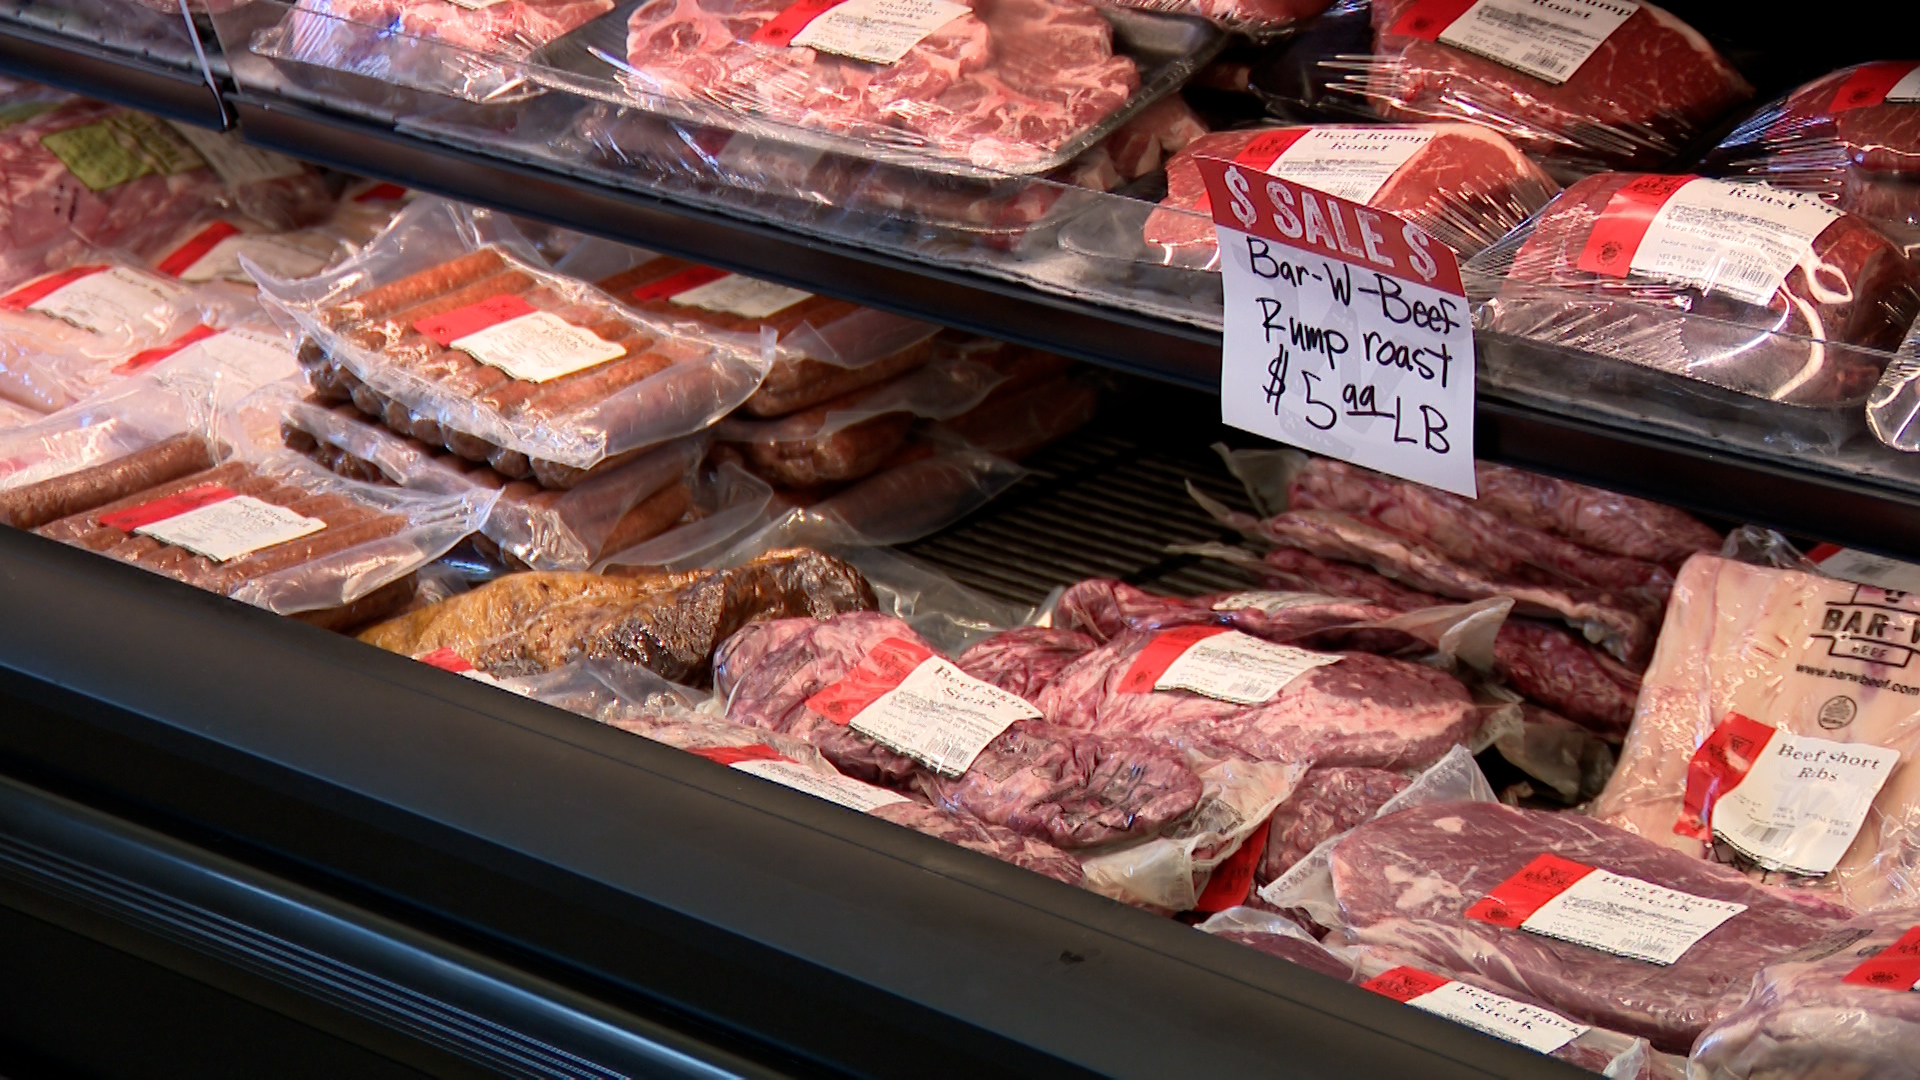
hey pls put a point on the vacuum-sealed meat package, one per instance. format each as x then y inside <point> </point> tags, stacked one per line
<point>1766,292</point>
<point>449,328</point>
<point>1848,1009</point>
<point>1463,184</point>
<point>1776,732</point>
<point>477,52</point>
<point>1589,920</point>
<point>1025,659</point>
<point>1582,86</point>
<point>70,332</point>
<point>997,84</point>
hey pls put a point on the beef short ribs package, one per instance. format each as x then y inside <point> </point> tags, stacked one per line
<point>476,52</point>
<point>1463,184</point>
<point>451,329</point>
<point>1589,85</point>
<point>1769,293</point>
<point>1775,733</point>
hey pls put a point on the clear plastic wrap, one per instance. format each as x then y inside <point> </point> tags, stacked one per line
<point>1259,18</point>
<point>1750,654</point>
<point>208,249</point>
<point>1767,293</point>
<point>1844,1010</point>
<point>1583,86</point>
<point>402,327</point>
<point>728,503</point>
<point>1463,184</point>
<point>1851,137</point>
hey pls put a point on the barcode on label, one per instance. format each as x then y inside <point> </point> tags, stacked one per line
<point>1541,58</point>
<point>1764,834</point>
<point>1647,948</point>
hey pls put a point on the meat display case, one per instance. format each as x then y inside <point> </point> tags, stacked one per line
<point>270,840</point>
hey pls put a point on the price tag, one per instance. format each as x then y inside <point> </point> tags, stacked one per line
<point>1347,330</point>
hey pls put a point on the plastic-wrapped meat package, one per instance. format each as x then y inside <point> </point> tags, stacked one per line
<point>1466,186</point>
<point>275,532</point>
<point>450,329</point>
<point>209,249</point>
<point>922,490</point>
<point>1015,422</point>
<point>1145,143</point>
<point>1328,802</point>
<point>1001,84</point>
<point>853,435</point>
<point>1758,667</point>
<point>725,504</point>
<point>1839,1011</point>
<point>1765,292</point>
<point>1464,886</point>
<point>477,52</point>
<point>1851,138</point>
<point>1594,518</point>
<point>1255,17</point>
<point>669,623</point>
<point>1025,659</point>
<point>533,527</point>
<point>1586,86</point>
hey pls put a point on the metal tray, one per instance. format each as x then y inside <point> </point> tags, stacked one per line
<point>591,61</point>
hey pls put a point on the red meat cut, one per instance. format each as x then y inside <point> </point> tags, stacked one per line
<point>1467,188</point>
<point>1328,802</point>
<point>1853,287</point>
<point>1025,659</point>
<point>1406,881</point>
<point>1642,95</point>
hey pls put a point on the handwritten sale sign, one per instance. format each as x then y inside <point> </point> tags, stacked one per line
<point>1347,330</point>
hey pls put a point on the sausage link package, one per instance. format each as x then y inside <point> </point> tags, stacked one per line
<point>1776,732</point>
<point>1581,86</point>
<point>1768,293</point>
<point>1463,184</point>
<point>451,329</point>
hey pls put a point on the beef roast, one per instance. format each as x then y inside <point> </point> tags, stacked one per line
<point>1406,881</point>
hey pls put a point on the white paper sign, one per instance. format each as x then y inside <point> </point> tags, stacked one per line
<point>1548,39</point>
<point>877,31</point>
<point>1239,668</point>
<point>538,347</point>
<point>851,794</point>
<point>1535,1028</point>
<point>235,161</point>
<point>231,528</point>
<point>747,297</point>
<point>1800,806</point>
<point>1347,330</point>
<point>1629,917</point>
<point>115,300</point>
<point>941,716</point>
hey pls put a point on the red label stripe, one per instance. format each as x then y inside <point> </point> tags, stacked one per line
<point>161,509</point>
<point>1623,224</point>
<point>1822,552</point>
<point>454,325</point>
<point>1232,880</point>
<point>1159,655</point>
<point>1515,899</point>
<point>674,284</point>
<point>39,289</point>
<point>382,193</point>
<point>1403,984</point>
<point>1717,767</point>
<point>1260,154</point>
<point>1896,967</point>
<point>194,250</point>
<point>733,755</point>
<point>149,357</point>
<point>1428,19</point>
<point>446,660</point>
<point>1869,85</point>
<point>780,30</point>
<point>883,669</point>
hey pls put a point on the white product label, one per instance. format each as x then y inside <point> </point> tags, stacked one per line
<point>1351,162</point>
<point>1239,668</point>
<point>1865,569</point>
<point>851,794</point>
<point>1802,803</point>
<point>877,31</point>
<point>243,350</point>
<point>231,528</point>
<point>283,257</point>
<point>477,5</point>
<point>1268,603</point>
<point>538,347</point>
<point>1907,90</point>
<point>1629,917</point>
<point>941,716</point>
<point>1548,39</point>
<point>1736,239</point>
<point>1535,1028</point>
<point>235,161</point>
<point>743,296</point>
<point>114,300</point>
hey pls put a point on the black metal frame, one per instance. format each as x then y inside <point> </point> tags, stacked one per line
<point>86,67</point>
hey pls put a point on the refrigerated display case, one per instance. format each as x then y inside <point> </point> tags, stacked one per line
<point>283,849</point>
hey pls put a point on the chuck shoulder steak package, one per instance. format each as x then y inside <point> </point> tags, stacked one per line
<point>1770,293</point>
<point>1465,185</point>
<point>1776,731</point>
<point>450,328</point>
